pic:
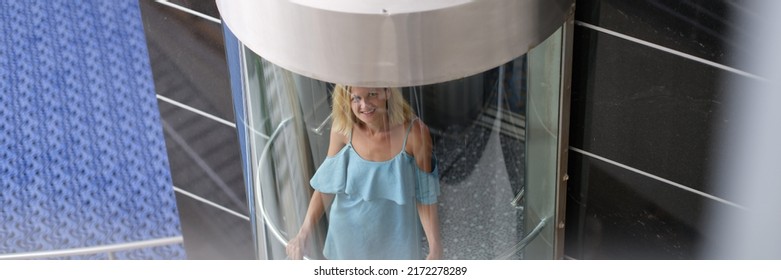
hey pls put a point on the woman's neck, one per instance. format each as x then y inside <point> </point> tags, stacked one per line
<point>382,126</point>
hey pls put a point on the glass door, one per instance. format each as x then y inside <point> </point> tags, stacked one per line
<point>496,138</point>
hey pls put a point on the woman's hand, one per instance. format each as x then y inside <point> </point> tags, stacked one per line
<point>296,247</point>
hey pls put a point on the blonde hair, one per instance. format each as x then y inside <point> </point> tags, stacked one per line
<point>399,110</point>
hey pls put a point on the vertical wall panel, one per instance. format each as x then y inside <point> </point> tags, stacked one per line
<point>188,63</point>
<point>657,115</point>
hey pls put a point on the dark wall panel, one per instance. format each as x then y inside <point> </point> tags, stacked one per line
<point>188,64</point>
<point>646,108</point>
<point>203,157</point>
<point>212,234</point>
<point>649,111</point>
<point>188,59</point>
<point>702,28</point>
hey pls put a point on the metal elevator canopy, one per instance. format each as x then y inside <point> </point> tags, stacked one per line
<point>381,43</point>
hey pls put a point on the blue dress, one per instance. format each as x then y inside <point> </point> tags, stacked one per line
<point>374,213</point>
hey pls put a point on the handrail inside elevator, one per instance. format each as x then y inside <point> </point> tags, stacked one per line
<point>525,241</point>
<point>258,190</point>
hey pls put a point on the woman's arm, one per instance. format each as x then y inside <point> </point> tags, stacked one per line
<point>430,221</point>
<point>421,148</point>
<point>296,247</point>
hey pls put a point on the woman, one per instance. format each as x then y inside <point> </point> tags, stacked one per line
<point>381,173</point>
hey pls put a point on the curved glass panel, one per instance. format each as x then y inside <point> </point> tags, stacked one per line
<point>493,136</point>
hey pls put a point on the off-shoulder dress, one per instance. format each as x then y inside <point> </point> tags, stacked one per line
<point>374,214</point>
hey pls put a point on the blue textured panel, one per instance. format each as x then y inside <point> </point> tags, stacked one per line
<point>82,155</point>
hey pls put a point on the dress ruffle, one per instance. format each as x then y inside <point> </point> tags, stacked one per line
<point>369,180</point>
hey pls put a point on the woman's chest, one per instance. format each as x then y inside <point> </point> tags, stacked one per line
<point>378,152</point>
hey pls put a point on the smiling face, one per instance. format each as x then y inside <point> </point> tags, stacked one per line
<point>369,105</point>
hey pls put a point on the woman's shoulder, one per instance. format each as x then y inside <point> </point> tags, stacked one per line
<point>419,135</point>
<point>419,145</point>
<point>337,142</point>
<point>418,128</point>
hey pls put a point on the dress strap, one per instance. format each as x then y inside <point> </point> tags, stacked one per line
<point>404,147</point>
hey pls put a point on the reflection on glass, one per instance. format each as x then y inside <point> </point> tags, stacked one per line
<point>478,127</point>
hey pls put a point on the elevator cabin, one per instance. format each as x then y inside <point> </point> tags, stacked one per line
<point>489,78</point>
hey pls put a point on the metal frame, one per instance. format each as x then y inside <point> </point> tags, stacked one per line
<point>563,150</point>
<point>237,68</point>
<point>409,42</point>
<point>108,249</point>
